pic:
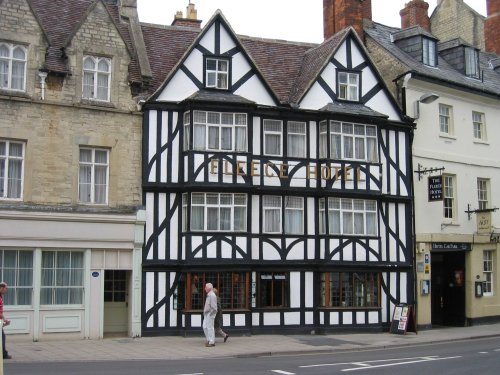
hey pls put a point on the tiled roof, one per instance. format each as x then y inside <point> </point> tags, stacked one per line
<point>357,109</point>
<point>488,84</point>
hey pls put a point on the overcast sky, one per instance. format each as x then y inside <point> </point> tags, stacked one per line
<point>295,20</point>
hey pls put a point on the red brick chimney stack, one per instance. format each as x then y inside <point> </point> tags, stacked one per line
<point>415,13</point>
<point>339,14</point>
<point>492,26</point>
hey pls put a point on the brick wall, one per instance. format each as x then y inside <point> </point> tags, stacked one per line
<point>415,13</point>
<point>492,27</point>
<point>339,14</point>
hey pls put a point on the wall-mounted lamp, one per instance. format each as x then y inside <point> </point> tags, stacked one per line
<point>426,99</point>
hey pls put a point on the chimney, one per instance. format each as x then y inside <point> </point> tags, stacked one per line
<point>492,27</point>
<point>191,19</point>
<point>415,13</point>
<point>339,14</point>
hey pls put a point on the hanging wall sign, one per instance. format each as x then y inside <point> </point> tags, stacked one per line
<point>435,188</point>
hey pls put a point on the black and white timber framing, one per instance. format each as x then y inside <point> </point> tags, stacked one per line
<point>173,169</point>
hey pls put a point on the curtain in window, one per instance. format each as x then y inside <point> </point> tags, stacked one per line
<point>102,86</point>
<point>213,218</point>
<point>88,85</point>
<point>14,181</point>
<point>18,68</point>
<point>197,211</point>
<point>101,183</point>
<point>371,149</point>
<point>323,139</point>
<point>199,142</point>
<point>294,217</point>
<point>272,214</point>
<point>273,144</point>
<point>296,139</point>
<point>240,211</point>
<point>4,67</point>
<point>213,137</point>
<point>226,138</point>
<point>241,138</point>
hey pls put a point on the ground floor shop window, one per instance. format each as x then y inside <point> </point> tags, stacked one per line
<point>350,289</point>
<point>233,289</point>
<point>16,269</point>
<point>273,289</point>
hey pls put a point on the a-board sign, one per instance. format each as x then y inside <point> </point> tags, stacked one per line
<point>403,319</point>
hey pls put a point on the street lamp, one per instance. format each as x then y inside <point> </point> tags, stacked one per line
<point>425,99</point>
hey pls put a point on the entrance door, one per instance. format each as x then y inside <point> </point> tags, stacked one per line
<point>448,288</point>
<point>115,302</point>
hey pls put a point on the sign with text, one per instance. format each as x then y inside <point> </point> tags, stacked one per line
<point>483,222</point>
<point>451,246</point>
<point>435,188</point>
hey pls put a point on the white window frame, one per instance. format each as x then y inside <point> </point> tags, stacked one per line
<point>95,73</point>
<point>270,204</point>
<point>429,56</point>
<point>57,274</point>
<point>291,206</point>
<point>94,165</point>
<point>478,126</point>
<point>296,130</point>
<point>270,129</point>
<point>223,123</point>
<point>483,193</point>
<point>7,64</point>
<point>449,197</point>
<point>218,74</point>
<point>348,90</point>
<point>6,165</point>
<point>15,277</point>
<point>488,272</point>
<point>344,215</point>
<point>206,202</point>
<point>294,208</point>
<point>471,62</point>
<point>445,119</point>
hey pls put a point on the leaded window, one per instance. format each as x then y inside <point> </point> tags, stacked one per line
<point>350,289</point>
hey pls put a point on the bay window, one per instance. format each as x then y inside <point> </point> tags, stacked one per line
<point>346,216</point>
<point>293,209</point>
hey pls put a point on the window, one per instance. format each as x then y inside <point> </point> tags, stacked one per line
<point>429,56</point>
<point>216,131</point>
<point>217,211</point>
<point>11,169</point>
<point>449,197</point>
<point>483,193</point>
<point>350,289</point>
<point>296,139</point>
<point>273,289</point>
<point>96,78</point>
<point>115,286</point>
<point>348,86</point>
<point>478,126</point>
<point>217,73</point>
<point>233,289</point>
<point>348,216</point>
<point>348,141</point>
<point>12,67</point>
<point>62,278</point>
<point>445,119</point>
<point>488,272</point>
<point>294,214</point>
<point>93,176</point>
<point>16,269</point>
<point>273,130</point>
<point>471,62</point>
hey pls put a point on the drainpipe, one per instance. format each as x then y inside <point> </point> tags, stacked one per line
<point>43,76</point>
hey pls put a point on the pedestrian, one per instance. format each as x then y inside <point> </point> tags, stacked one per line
<point>209,313</point>
<point>218,318</point>
<point>6,322</point>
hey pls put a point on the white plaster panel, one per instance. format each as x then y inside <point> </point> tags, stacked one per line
<point>255,249</point>
<point>162,215</point>
<point>194,63</point>
<point>381,103</point>
<point>226,250</point>
<point>196,320</point>
<point>309,317</point>
<point>208,40</point>
<point>164,139</point>
<point>334,318</point>
<point>347,317</point>
<point>309,287</point>
<point>313,129</point>
<point>321,317</point>
<point>360,317</point>
<point>195,243</point>
<point>173,314</point>
<point>61,323</point>
<point>240,67</point>
<point>270,252</point>
<point>212,250</point>
<point>174,222</point>
<point>368,79</point>
<point>311,248</point>
<point>241,242</point>
<point>296,288</point>
<point>360,253</point>
<point>296,252</point>
<point>161,316</point>
<point>254,90</point>
<point>403,287</point>
<point>341,54</point>
<point>239,320</point>
<point>315,98</point>
<point>174,162</point>
<point>149,220</point>
<point>149,295</point>
<point>178,88</point>
<point>347,252</point>
<point>272,319</point>
<point>152,144</point>
<point>329,75</point>
<point>373,317</point>
<point>394,284</point>
<point>356,56</point>
<point>255,319</point>
<point>255,214</point>
<point>226,41</point>
<point>292,318</point>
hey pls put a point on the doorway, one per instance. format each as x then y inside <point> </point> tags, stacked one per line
<point>448,288</point>
<point>115,302</point>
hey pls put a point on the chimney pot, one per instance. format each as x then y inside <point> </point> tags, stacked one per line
<point>415,13</point>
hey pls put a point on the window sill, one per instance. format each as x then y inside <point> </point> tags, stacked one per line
<point>97,103</point>
<point>481,142</point>
<point>61,307</point>
<point>447,136</point>
<point>342,308</point>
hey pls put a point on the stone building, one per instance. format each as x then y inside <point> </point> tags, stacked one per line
<point>71,214</point>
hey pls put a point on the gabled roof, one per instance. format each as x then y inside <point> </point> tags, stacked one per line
<point>443,72</point>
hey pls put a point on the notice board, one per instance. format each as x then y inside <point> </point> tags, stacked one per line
<point>403,319</point>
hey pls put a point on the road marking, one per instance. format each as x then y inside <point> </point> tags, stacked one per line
<point>283,372</point>
<point>422,359</point>
<point>497,350</point>
<point>364,362</point>
<point>196,373</point>
<point>483,352</point>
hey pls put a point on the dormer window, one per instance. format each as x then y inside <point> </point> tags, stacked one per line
<point>471,62</point>
<point>216,73</point>
<point>96,78</point>
<point>429,56</point>
<point>348,86</point>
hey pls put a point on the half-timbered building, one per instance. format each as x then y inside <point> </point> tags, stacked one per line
<point>281,173</point>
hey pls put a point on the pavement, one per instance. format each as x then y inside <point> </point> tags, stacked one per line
<point>176,347</point>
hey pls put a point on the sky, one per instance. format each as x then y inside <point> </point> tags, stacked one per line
<point>294,20</point>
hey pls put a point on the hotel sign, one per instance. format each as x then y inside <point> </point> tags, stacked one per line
<point>451,246</point>
<point>435,188</point>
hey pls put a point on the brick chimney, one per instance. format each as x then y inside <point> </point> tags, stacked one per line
<point>191,19</point>
<point>339,14</point>
<point>415,13</point>
<point>492,26</point>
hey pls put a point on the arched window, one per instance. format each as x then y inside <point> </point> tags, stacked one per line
<point>12,67</point>
<point>96,78</point>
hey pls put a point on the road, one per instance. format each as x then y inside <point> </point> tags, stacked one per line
<point>479,356</point>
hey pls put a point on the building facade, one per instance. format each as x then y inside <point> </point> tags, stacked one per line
<point>70,167</point>
<point>452,89</point>
<point>281,173</point>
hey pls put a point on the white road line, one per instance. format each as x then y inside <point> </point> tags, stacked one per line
<point>283,372</point>
<point>196,373</point>
<point>483,352</point>
<point>497,350</point>
<point>366,362</point>
<point>423,359</point>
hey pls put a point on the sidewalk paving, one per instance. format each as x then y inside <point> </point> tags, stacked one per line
<point>174,347</point>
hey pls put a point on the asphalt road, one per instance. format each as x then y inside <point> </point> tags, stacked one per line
<point>479,356</point>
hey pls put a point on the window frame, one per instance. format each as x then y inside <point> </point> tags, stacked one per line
<point>10,61</point>
<point>429,52</point>
<point>301,136</point>
<point>284,289</point>
<point>93,165</point>
<point>95,72</point>
<point>272,133</point>
<point>471,58</point>
<point>449,197</point>
<point>284,213</point>
<point>344,91</point>
<point>488,273</point>
<point>329,209</point>
<point>327,279</point>
<point>217,73</point>
<point>6,160</point>
<point>13,297</point>
<point>479,126</point>
<point>446,119</point>
<point>483,193</point>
